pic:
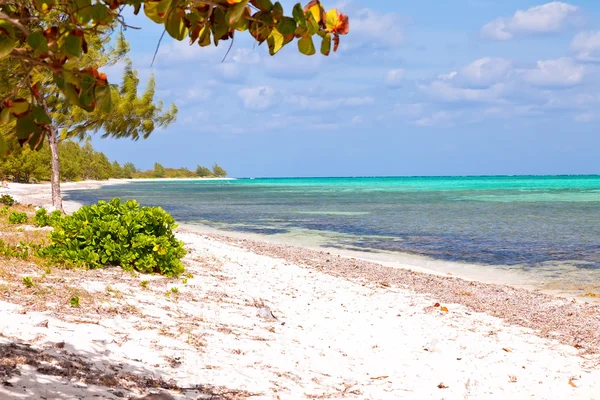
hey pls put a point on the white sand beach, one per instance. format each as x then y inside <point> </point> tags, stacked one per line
<point>264,321</point>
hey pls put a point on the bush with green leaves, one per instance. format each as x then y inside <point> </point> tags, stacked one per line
<point>116,233</point>
<point>7,199</point>
<point>42,218</point>
<point>17,218</point>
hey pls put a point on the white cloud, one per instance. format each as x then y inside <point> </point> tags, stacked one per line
<point>394,77</point>
<point>314,103</point>
<point>257,98</point>
<point>562,72</point>
<point>246,56</point>
<point>231,72</point>
<point>485,72</point>
<point>375,28</point>
<point>434,119</point>
<point>446,91</point>
<point>586,46</point>
<point>547,18</point>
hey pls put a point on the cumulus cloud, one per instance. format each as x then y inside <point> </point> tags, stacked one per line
<point>246,56</point>
<point>314,103</point>
<point>257,98</point>
<point>586,46</point>
<point>434,119</point>
<point>447,91</point>
<point>394,77</point>
<point>547,18</point>
<point>562,72</point>
<point>374,28</point>
<point>484,72</point>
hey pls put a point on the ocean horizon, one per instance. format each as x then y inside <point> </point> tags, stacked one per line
<point>537,224</point>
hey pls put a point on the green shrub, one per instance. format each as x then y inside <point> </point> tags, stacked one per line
<point>116,233</point>
<point>4,210</point>
<point>42,218</point>
<point>28,282</point>
<point>17,218</point>
<point>7,199</point>
<point>74,301</point>
<point>21,250</point>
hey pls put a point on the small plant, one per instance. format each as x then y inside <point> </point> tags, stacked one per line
<point>42,218</point>
<point>184,281</point>
<point>28,282</point>
<point>174,290</point>
<point>17,218</point>
<point>189,275</point>
<point>74,301</point>
<point>116,233</point>
<point>4,210</point>
<point>144,284</point>
<point>7,199</point>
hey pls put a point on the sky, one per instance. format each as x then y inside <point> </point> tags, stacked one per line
<point>429,87</point>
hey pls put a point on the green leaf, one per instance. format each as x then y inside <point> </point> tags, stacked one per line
<point>235,13</point>
<point>312,24</point>
<point>286,26</point>
<point>72,45</point>
<point>38,43</point>
<point>100,14</point>
<point>103,98</point>
<point>219,25</point>
<point>157,10</point>
<point>7,38</point>
<point>19,107</point>
<point>263,5</point>
<point>299,16</point>
<point>261,26</point>
<point>175,25</point>
<point>204,38</point>
<point>275,42</point>
<point>306,46</point>
<point>5,116</point>
<point>39,116</point>
<point>86,97</point>
<point>83,11</point>
<point>277,11</point>
<point>26,126</point>
<point>326,44</point>
<point>3,146</point>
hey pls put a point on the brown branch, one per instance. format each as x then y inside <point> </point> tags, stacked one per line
<point>14,22</point>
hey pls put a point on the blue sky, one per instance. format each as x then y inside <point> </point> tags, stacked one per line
<point>462,87</point>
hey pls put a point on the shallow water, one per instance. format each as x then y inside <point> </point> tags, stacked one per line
<point>532,223</point>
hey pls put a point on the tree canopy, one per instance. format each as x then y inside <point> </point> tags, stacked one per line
<point>59,44</point>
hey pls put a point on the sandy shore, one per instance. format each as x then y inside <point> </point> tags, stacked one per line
<point>269,321</point>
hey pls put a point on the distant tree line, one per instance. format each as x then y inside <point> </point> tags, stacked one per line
<point>81,162</point>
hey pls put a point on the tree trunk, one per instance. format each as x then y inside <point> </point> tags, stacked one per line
<point>55,166</point>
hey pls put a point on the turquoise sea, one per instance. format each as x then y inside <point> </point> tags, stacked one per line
<point>525,222</point>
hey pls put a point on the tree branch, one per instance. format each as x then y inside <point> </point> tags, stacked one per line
<point>14,22</point>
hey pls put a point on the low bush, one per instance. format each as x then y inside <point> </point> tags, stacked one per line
<point>17,218</point>
<point>116,233</point>
<point>42,218</point>
<point>7,199</point>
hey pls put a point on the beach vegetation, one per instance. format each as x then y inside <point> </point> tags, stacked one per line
<point>42,218</point>
<point>203,172</point>
<point>144,284</point>
<point>28,282</point>
<point>218,171</point>
<point>74,301</point>
<point>7,200</point>
<point>116,233</point>
<point>16,217</point>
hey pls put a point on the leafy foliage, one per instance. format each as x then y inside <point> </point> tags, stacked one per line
<point>218,171</point>
<point>7,200</point>
<point>42,218</point>
<point>74,301</point>
<point>117,233</point>
<point>203,172</point>
<point>28,282</point>
<point>69,29</point>
<point>16,217</point>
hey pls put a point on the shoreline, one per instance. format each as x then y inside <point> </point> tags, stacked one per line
<point>263,320</point>
<point>491,274</point>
